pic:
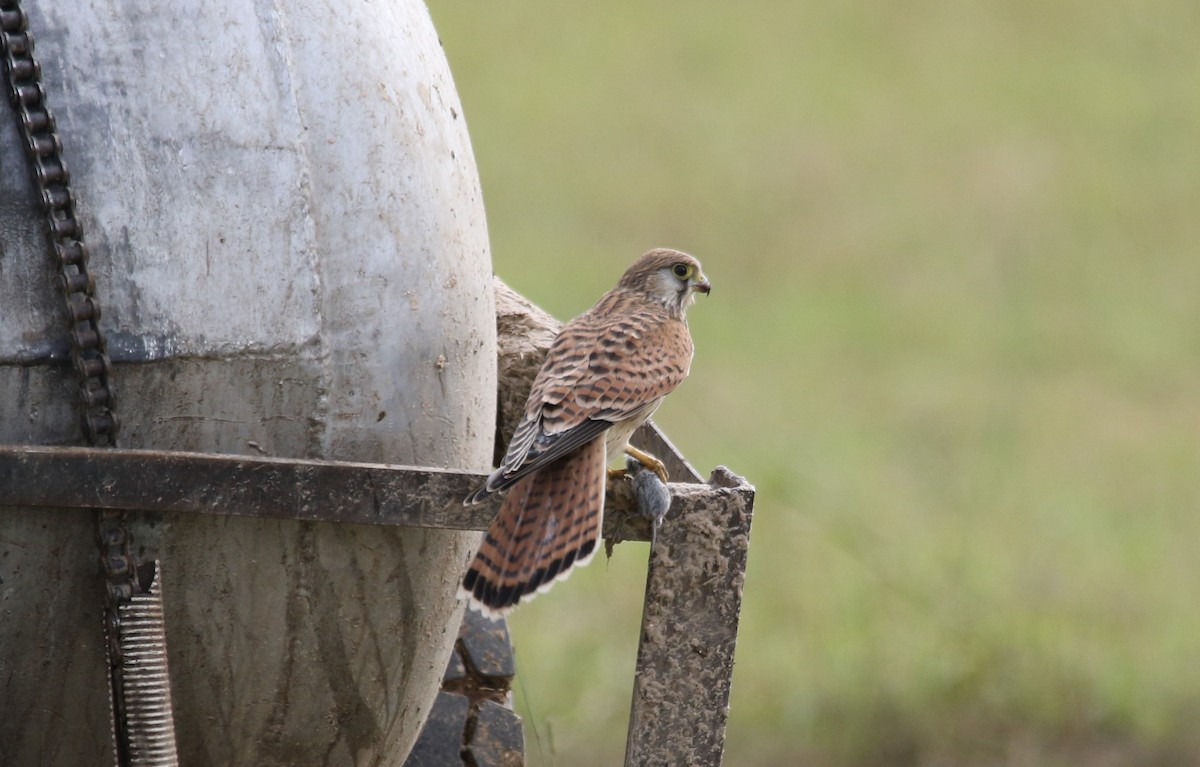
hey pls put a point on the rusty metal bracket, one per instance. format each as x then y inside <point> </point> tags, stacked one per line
<point>278,488</point>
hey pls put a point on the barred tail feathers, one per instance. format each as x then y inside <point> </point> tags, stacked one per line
<point>548,523</point>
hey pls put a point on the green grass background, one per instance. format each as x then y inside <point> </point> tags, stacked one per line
<point>953,340</point>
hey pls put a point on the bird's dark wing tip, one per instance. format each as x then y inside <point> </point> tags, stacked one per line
<point>494,484</point>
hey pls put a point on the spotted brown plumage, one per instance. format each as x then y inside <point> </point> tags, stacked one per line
<point>604,374</point>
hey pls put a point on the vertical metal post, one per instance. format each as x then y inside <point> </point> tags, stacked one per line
<point>689,629</point>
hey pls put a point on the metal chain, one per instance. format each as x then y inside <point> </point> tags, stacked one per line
<point>88,352</point>
<point>39,132</point>
<point>50,173</point>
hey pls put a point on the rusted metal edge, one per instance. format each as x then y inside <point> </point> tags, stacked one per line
<point>689,627</point>
<point>650,438</point>
<point>279,488</point>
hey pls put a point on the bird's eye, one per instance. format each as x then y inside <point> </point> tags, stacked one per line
<point>682,271</point>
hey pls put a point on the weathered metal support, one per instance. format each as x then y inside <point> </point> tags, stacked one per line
<point>278,488</point>
<point>689,627</point>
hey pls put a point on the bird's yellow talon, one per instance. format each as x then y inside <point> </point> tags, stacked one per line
<point>649,461</point>
<point>661,471</point>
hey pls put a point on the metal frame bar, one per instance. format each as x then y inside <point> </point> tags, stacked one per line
<point>689,626</point>
<point>693,586</point>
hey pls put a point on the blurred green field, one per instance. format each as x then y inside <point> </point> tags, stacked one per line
<point>953,339</point>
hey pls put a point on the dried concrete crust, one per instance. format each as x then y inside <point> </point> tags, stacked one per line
<point>523,334</point>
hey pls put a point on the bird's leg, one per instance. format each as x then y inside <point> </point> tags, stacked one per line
<point>649,461</point>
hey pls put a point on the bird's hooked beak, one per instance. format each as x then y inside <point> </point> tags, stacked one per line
<point>700,283</point>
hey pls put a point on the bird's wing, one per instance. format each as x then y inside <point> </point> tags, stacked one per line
<point>598,371</point>
<point>634,363</point>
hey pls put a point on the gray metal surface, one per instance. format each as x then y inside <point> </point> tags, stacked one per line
<point>284,213</point>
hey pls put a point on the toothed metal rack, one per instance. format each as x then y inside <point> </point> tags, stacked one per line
<point>693,585</point>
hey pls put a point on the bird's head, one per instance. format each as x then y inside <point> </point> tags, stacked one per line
<point>669,276</point>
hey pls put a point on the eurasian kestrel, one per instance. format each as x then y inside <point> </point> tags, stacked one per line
<point>605,373</point>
